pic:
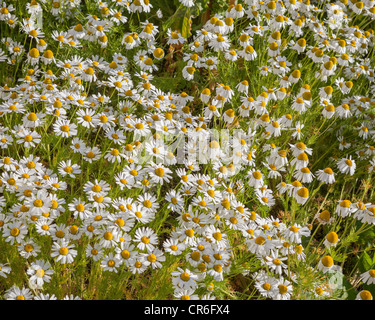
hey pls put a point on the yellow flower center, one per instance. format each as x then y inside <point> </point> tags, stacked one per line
<point>332,237</point>
<point>325,215</point>
<point>189,232</point>
<point>151,258</point>
<point>63,251</point>
<point>108,236</point>
<point>111,263</point>
<point>260,240</point>
<point>38,203</point>
<point>15,232</point>
<point>145,239</point>
<point>159,172</point>
<point>283,289</point>
<point>327,261</point>
<point>185,276</point>
<point>40,273</point>
<point>217,236</point>
<point>32,117</point>
<point>345,203</point>
<point>125,254</point>
<point>303,192</point>
<point>34,53</point>
<point>365,295</point>
<point>266,286</point>
<point>96,188</point>
<point>60,234</point>
<point>276,262</point>
<point>28,248</point>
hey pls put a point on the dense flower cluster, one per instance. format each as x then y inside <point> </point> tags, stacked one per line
<point>109,166</point>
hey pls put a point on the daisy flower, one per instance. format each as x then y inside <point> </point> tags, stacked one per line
<point>276,264</point>
<point>256,179</point>
<point>259,243</point>
<point>145,238</point>
<point>15,232</point>
<point>28,138</point>
<point>265,284</point>
<point>326,264</point>
<point>215,236</point>
<point>80,208</point>
<point>66,168</point>
<point>283,289</point>
<point>326,175</point>
<point>136,265</point>
<point>91,154</point>
<point>344,208</point>
<point>331,239</point>
<point>296,232</point>
<point>159,173</point>
<point>65,128</point>
<point>40,273</point>
<point>63,251</point>
<point>16,293</point>
<point>184,279</point>
<point>173,246</point>
<point>110,263</point>
<point>28,248</point>
<point>185,294</point>
<point>364,295</point>
<point>154,258</point>
<point>368,277</point>
<point>347,165</point>
<point>4,270</point>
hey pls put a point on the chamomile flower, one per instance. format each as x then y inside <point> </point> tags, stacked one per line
<point>44,226</point>
<point>28,138</point>
<point>256,179</point>
<point>331,239</point>
<point>184,279</point>
<point>364,295</point>
<point>326,264</point>
<point>215,236</point>
<point>347,165</point>
<point>295,233</point>
<point>125,253</point>
<point>80,208</point>
<point>47,296</point>
<point>259,243</point>
<point>16,293</point>
<point>40,273</point>
<point>276,264</point>
<point>28,248</point>
<point>326,175</point>
<point>91,154</point>
<point>66,168</point>
<point>283,289</point>
<point>110,263</point>
<point>4,270</point>
<point>34,120</point>
<point>65,128</point>
<point>63,251</point>
<point>145,238</point>
<point>154,258</point>
<point>173,246</point>
<point>15,232</point>
<point>368,277</point>
<point>265,284</point>
<point>159,173</point>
